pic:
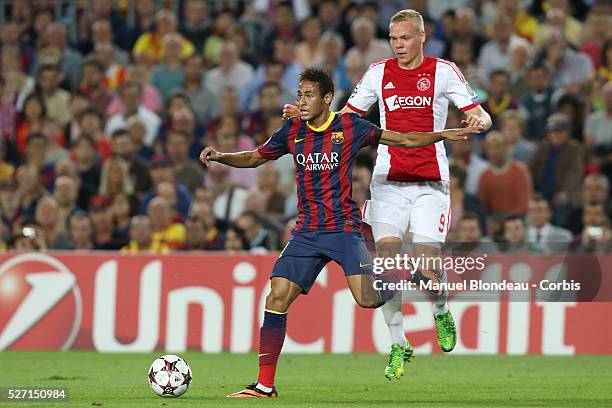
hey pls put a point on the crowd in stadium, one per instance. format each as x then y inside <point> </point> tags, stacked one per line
<point>102,118</point>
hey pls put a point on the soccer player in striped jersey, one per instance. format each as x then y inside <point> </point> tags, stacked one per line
<point>323,145</point>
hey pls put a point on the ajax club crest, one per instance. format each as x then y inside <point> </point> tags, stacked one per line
<point>423,84</point>
<point>337,137</point>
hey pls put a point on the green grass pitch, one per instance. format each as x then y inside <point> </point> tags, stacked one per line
<point>119,380</point>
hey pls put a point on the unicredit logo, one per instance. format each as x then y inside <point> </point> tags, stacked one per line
<point>407,102</point>
<point>40,303</point>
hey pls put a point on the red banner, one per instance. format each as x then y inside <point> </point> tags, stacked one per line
<point>214,302</point>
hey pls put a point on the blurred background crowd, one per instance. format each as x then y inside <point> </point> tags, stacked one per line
<point>105,106</point>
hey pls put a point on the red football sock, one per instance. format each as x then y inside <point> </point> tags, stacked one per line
<point>271,338</point>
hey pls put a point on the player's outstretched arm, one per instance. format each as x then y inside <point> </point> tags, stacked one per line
<point>420,139</point>
<point>250,158</point>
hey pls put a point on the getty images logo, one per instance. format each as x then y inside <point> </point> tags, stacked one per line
<point>40,303</point>
<point>407,102</point>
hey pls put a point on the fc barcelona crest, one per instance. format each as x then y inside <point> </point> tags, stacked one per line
<point>337,137</point>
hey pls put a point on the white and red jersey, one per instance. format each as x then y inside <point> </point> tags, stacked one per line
<point>412,100</point>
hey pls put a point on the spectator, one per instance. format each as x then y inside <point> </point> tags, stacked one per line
<point>595,37</point>
<point>88,168</point>
<point>8,112</point>
<point>186,171</point>
<point>461,201</point>
<point>223,21</point>
<point>330,13</point>
<point>367,47</point>
<point>569,69</point>
<point>198,236</point>
<point>196,26</point>
<point>29,189</point>
<point>269,106</point>
<point>515,236</point>
<point>102,33</point>
<point>506,187</point>
<point>105,237</point>
<point>595,190</point>
<point>137,134</point>
<point>131,97</point>
<point>164,230</point>
<point>572,107</point>
<point>151,99</point>
<point>559,17</point>
<point>36,150</point>
<point>558,165</point>
<point>463,155</point>
<point>462,55</point>
<point>47,217</point>
<point>230,199</point>
<point>81,232</point>
<point>309,52</point>
<point>524,24</point>
<point>90,123</point>
<point>55,141</point>
<point>56,37</point>
<point>433,46</point>
<point>537,104</point>
<point>282,73</point>
<point>163,172</point>
<point>122,209</point>
<point>332,46</point>
<point>6,169</point>
<point>115,178</point>
<point>512,126</point>
<point>231,72</point>
<point>65,192</point>
<point>520,59</point>
<point>235,240</point>
<point>268,183</point>
<point>141,238</point>
<point>495,54</point>
<point>33,117</point>
<point>147,50</point>
<point>541,232</point>
<point>596,235</point>
<point>239,36</point>
<point>284,22</point>
<point>203,101</point>
<point>30,237</point>
<point>78,104</point>
<point>598,127</point>
<point>57,101</point>
<point>93,85</point>
<point>228,139</point>
<point>123,146</point>
<point>66,167</point>
<point>10,39</point>
<point>114,73</point>
<point>258,237</point>
<point>499,99</point>
<point>169,73</point>
<point>466,32</point>
<point>468,237</point>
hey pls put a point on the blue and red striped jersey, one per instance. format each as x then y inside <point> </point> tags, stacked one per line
<point>324,159</point>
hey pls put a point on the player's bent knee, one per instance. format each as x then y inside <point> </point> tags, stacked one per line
<point>388,247</point>
<point>277,301</point>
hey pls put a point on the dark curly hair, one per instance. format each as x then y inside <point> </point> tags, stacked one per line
<point>326,83</point>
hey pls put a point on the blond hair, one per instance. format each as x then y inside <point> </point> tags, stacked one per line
<point>409,15</point>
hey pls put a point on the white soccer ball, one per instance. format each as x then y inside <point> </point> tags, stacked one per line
<point>169,376</point>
